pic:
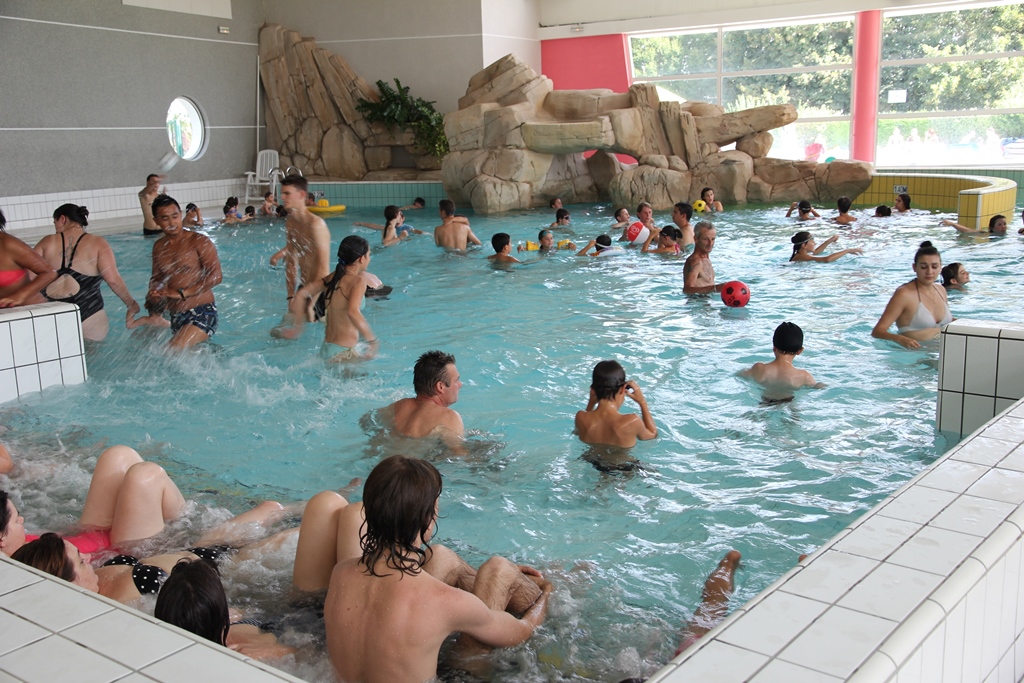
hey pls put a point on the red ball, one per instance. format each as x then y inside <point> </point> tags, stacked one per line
<point>735,294</point>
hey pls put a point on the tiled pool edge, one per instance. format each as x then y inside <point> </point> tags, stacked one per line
<point>74,630</point>
<point>40,346</point>
<point>925,585</point>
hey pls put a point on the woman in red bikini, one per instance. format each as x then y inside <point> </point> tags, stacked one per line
<point>17,261</point>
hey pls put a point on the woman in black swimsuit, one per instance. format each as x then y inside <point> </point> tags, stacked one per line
<point>83,262</point>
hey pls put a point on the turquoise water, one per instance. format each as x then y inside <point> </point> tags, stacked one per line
<point>250,417</point>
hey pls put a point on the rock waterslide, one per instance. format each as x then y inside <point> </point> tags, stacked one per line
<point>516,143</point>
<point>312,120</point>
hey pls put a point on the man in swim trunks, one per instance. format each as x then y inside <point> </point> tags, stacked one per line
<point>454,232</point>
<point>389,611</point>
<point>307,249</point>
<point>681,215</point>
<point>436,381</point>
<point>698,273</point>
<point>146,197</point>
<point>186,268</point>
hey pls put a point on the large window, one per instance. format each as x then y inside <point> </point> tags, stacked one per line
<point>806,65</point>
<point>952,91</point>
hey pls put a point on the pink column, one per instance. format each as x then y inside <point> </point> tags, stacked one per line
<point>867,52</point>
<point>587,62</point>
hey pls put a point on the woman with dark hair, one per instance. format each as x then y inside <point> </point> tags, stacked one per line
<point>394,229</point>
<point>902,203</point>
<point>804,249</point>
<point>996,226</point>
<point>920,307</point>
<point>17,264</point>
<point>955,276</point>
<point>340,296</point>
<point>83,261</point>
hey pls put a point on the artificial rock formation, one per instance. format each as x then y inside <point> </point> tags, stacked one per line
<point>312,120</point>
<point>516,143</point>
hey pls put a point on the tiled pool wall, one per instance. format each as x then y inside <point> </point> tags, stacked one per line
<point>1014,174</point>
<point>380,194</point>
<point>40,346</point>
<point>981,373</point>
<point>975,198</point>
<point>927,586</point>
<point>51,630</point>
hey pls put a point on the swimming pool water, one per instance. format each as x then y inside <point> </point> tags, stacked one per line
<point>250,417</point>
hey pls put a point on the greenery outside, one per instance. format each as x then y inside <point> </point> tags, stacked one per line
<point>399,110</point>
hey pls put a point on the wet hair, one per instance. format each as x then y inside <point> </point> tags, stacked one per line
<point>231,201</point>
<point>799,240</point>
<point>552,202</point>
<point>643,205</point>
<point>844,204</point>
<point>561,213</point>
<point>399,503</point>
<point>268,195</point>
<point>282,211</point>
<point>788,338</point>
<point>391,213</point>
<point>193,598</point>
<point>905,198</point>
<point>5,514</point>
<point>295,181</point>
<point>500,240</point>
<point>151,176</point>
<point>228,209</point>
<point>701,227</point>
<point>603,242</point>
<point>926,249</point>
<point>431,368</point>
<point>73,212</point>
<point>620,210</point>
<point>447,207</point>
<point>351,249</point>
<point>542,234</point>
<point>310,197</point>
<point>883,211</point>
<point>950,273</point>
<point>672,231</point>
<point>607,379</point>
<point>992,221</point>
<point>190,206</point>
<point>3,221</point>
<point>47,554</point>
<point>419,201</point>
<point>249,211</point>
<point>685,209</point>
<point>163,200</point>
<point>705,191</point>
<point>804,206</point>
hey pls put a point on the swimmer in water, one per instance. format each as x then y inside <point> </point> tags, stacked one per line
<point>681,215</point>
<point>269,206</point>
<point>307,249</point>
<point>919,308</point>
<point>708,195</point>
<point>340,297</point>
<point>394,229</point>
<point>955,276</point>
<point>602,246</point>
<point>644,215</point>
<point>193,216</point>
<point>454,232</point>
<point>779,375</point>
<point>621,218</point>
<point>562,219</point>
<point>805,211</point>
<point>417,203</point>
<point>698,273</point>
<point>902,203</point>
<point>668,241</point>
<point>437,382</point>
<point>844,217</point>
<point>546,244</point>
<point>882,211</point>
<point>714,601</point>
<point>804,249</point>
<point>389,611</point>
<point>601,422</point>
<point>17,260</point>
<point>555,203</point>
<point>996,226</point>
<point>502,244</point>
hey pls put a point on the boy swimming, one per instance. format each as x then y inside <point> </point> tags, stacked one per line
<point>779,375</point>
<point>601,422</point>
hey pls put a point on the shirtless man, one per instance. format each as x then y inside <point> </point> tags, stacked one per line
<point>146,197</point>
<point>601,422</point>
<point>307,249</point>
<point>780,376</point>
<point>698,274</point>
<point>185,271</point>
<point>681,215</point>
<point>454,232</point>
<point>436,381</point>
<point>388,612</point>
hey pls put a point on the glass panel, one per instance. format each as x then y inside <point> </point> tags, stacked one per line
<point>781,47</point>
<point>185,128</point>
<point>820,93</point>
<point>952,86</point>
<point>951,140</point>
<point>694,53</point>
<point>704,89</point>
<point>965,32</point>
<point>818,141</point>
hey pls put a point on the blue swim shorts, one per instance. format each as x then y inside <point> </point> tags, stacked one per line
<point>204,317</point>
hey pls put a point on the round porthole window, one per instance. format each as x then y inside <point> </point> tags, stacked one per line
<point>186,129</point>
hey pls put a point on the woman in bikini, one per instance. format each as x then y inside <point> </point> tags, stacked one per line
<point>17,263</point>
<point>341,296</point>
<point>83,261</point>
<point>919,308</point>
<point>804,249</point>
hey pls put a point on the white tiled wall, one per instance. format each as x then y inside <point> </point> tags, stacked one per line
<point>55,631</point>
<point>36,210</point>
<point>926,587</point>
<point>40,346</point>
<point>981,373</point>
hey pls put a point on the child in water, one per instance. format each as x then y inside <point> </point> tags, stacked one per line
<point>601,422</point>
<point>780,375</point>
<point>502,243</point>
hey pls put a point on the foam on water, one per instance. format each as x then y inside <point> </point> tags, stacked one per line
<point>250,417</point>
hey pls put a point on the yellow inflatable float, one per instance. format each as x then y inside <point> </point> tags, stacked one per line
<point>323,208</point>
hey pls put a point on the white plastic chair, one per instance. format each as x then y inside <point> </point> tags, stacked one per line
<point>266,160</point>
